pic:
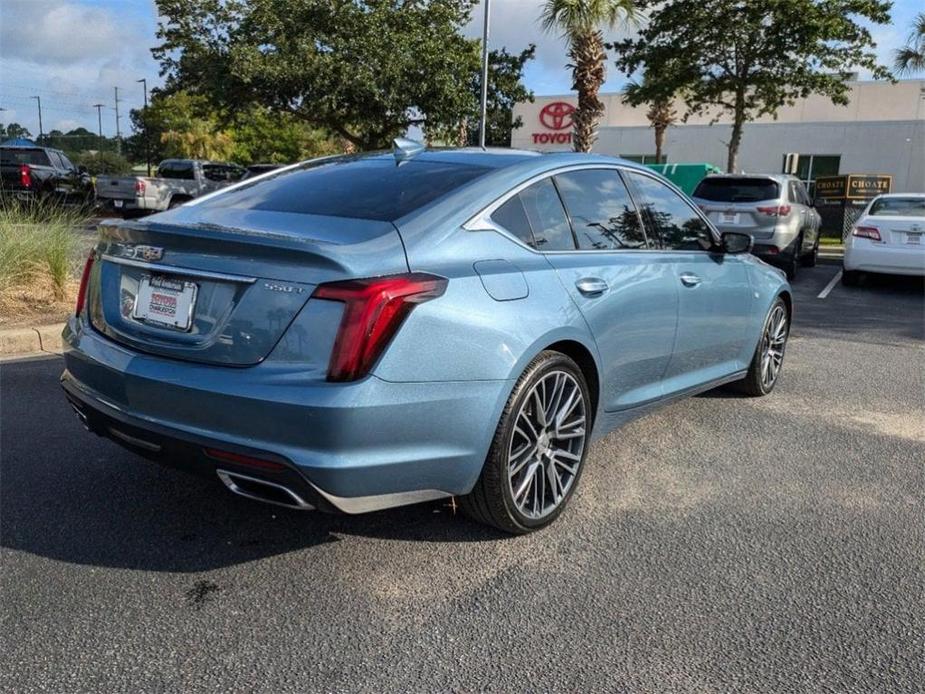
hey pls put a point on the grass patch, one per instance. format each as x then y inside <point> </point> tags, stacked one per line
<point>38,259</point>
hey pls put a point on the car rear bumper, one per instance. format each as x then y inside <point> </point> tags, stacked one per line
<point>874,257</point>
<point>352,447</point>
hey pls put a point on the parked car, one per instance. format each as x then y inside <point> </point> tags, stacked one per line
<point>32,172</point>
<point>352,335</point>
<point>888,237</point>
<point>774,210</point>
<point>177,181</point>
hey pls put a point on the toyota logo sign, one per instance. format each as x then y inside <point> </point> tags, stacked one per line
<point>557,115</point>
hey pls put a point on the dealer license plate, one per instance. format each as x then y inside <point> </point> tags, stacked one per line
<point>729,218</point>
<point>165,301</point>
<point>117,203</point>
<point>914,239</point>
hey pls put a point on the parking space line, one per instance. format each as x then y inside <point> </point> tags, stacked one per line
<point>830,286</point>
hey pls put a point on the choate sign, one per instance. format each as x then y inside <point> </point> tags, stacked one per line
<point>853,186</point>
<point>556,117</point>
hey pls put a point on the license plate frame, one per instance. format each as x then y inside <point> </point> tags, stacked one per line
<point>728,217</point>
<point>165,302</point>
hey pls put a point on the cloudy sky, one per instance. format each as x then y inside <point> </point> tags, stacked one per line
<point>72,53</point>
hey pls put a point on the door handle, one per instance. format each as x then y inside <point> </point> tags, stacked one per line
<point>690,280</point>
<point>591,286</point>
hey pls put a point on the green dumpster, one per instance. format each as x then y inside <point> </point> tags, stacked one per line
<point>685,176</point>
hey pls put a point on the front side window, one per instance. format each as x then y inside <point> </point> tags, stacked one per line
<point>674,222</point>
<point>602,212</point>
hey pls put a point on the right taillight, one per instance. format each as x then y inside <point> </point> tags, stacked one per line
<point>862,232</point>
<point>139,187</point>
<point>84,280</point>
<point>25,176</point>
<point>374,310</point>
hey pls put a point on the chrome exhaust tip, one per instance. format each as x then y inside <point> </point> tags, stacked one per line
<point>262,490</point>
<point>80,415</point>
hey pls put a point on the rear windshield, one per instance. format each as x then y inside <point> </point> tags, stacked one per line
<point>901,207</point>
<point>35,157</point>
<point>737,189</point>
<point>362,188</point>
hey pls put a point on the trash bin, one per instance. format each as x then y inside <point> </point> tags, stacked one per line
<point>840,200</point>
<point>685,176</point>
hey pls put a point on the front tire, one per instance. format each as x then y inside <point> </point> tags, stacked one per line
<point>538,451</point>
<point>769,354</point>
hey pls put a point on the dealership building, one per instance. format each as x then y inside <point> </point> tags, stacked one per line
<point>881,130</point>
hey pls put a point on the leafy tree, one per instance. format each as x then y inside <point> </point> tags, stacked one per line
<point>505,88</point>
<point>751,58</point>
<point>581,21</point>
<point>14,131</point>
<point>364,71</point>
<point>911,57</point>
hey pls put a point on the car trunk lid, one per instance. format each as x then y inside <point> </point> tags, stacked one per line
<point>223,291</point>
<point>899,231</point>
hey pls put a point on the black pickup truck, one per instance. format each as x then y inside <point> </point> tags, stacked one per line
<point>33,172</point>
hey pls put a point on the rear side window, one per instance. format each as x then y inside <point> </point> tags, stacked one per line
<point>182,170</point>
<point>602,212</point>
<point>56,160</point>
<point>34,157</point>
<point>358,187</point>
<point>737,189</point>
<point>675,223</point>
<point>536,216</point>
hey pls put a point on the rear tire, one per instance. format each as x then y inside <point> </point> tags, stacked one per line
<point>768,359</point>
<point>794,262</point>
<point>538,451</point>
<point>811,258</point>
<point>850,278</point>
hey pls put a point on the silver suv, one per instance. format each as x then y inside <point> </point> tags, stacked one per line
<point>773,208</point>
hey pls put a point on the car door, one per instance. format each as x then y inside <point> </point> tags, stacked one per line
<point>623,287</point>
<point>714,294</point>
<point>812,220</point>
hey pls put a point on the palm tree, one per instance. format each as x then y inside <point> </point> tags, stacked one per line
<point>661,114</point>
<point>580,21</point>
<point>911,58</point>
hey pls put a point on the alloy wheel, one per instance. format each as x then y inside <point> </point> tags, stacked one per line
<point>547,444</point>
<point>772,346</point>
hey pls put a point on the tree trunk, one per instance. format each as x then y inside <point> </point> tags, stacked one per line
<point>659,143</point>
<point>738,121</point>
<point>588,56</point>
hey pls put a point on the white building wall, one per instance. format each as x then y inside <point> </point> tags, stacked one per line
<point>881,130</point>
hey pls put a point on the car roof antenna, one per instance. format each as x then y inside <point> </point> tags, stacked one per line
<point>403,148</point>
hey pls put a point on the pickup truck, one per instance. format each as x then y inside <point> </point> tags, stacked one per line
<point>177,181</point>
<point>30,172</point>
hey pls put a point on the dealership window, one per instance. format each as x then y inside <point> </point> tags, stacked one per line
<point>644,158</point>
<point>812,166</point>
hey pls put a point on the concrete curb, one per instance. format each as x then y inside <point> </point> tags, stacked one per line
<point>44,338</point>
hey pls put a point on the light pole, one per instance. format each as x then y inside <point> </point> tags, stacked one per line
<point>484,78</point>
<point>39,100</point>
<point>144,124</point>
<point>118,132</point>
<point>99,120</point>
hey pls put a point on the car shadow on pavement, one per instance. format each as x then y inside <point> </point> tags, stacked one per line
<point>71,496</point>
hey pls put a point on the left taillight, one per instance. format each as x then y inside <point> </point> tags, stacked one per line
<point>84,280</point>
<point>25,175</point>
<point>872,233</point>
<point>374,310</point>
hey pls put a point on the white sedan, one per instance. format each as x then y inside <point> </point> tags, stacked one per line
<point>889,237</point>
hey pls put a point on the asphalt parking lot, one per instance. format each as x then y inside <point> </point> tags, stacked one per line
<point>721,544</point>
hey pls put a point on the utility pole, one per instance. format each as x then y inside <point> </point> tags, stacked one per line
<point>144,124</point>
<point>41,131</point>
<point>99,119</point>
<point>118,132</point>
<point>484,78</point>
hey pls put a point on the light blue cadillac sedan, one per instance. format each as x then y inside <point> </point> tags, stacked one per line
<point>361,332</point>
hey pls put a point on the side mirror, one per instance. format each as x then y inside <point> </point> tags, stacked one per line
<point>81,169</point>
<point>734,242</point>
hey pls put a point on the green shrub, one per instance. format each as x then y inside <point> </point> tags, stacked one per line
<point>37,248</point>
<point>103,163</point>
